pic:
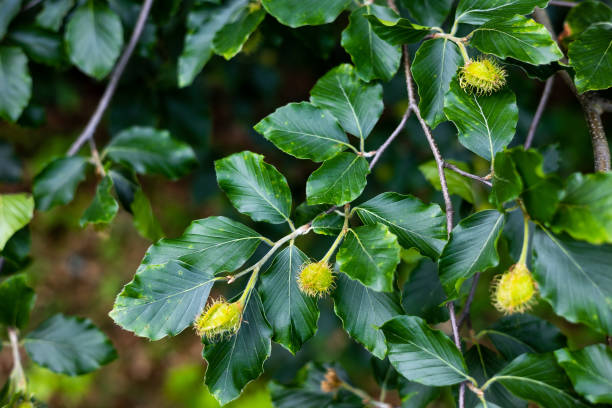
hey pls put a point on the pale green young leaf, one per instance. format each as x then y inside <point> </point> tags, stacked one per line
<point>228,41</point>
<point>16,211</point>
<point>456,183</point>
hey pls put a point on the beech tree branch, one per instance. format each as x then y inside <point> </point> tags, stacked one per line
<point>95,119</point>
<point>390,139</point>
<point>539,111</point>
<point>562,3</point>
<point>457,170</point>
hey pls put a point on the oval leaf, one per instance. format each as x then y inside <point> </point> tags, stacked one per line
<point>57,182</point>
<point>297,13</point>
<point>15,83</point>
<point>338,181</point>
<point>590,370</point>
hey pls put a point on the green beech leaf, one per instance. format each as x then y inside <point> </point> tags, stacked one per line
<point>236,361</point>
<point>328,224</point>
<point>292,314</point>
<point>423,294</point>
<point>204,21</point>
<point>150,151</point>
<point>16,252</point>
<point>370,254</point>
<point>103,208</point>
<point>40,45</point>
<point>297,13</point>
<point>57,182</point>
<point>216,243</point>
<point>16,301</point>
<point>10,8</point>
<point>15,83</point>
<point>144,220</point>
<point>585,212</point>
<point>362,310</point>
<point>304,131</point>
<point>574,278</point>
<point>590,370</point>
<point>591,57</point>
<point>16,211</point>
<point>338,181</point>
<point>373,57</point>
<point>522,333</point>
<point>427,12</point>
<point>540,72</point>
<point>94,37</point>
<point>517,37</point>
<point>422,354</point>
<point>397,31</point>
<point>472,248</point>
<point>583,15</point>
<point>162,299</point>
<point>69,345</point>
<point>417,225</point>
<point>456,183</point>
<point>481,11</point>
<point>538,378</point>
<point>415,395</point>
<point>53,13</point>
<point>486,123</point>
<point>435,64</point>
<point>482,363</point>
<point>255,187</point>
<point>229,40</point>
<point>507,183</point>
<point>357,105</point>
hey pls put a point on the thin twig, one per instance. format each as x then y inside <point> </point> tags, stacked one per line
<point>468,303</point>
<point>539,111</point>
<point>95,119</point>
<point>390,139</point>
<point>457,170</point>
<point>31,4</point>
<point>17,374</point>
<point>562,3</point>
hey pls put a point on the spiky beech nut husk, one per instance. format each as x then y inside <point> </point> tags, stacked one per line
<point>316,279</point>
<point>219,319</point>
<point>515,290</point>
<point>482,76</point>
<point>331,381</point>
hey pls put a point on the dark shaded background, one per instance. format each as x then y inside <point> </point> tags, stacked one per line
<point>79,272</point>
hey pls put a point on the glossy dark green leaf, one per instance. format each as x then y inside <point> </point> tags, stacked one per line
<point>292,314</point>
<point>126,185</point>
<point>57,182</point>
<point>507,183</point>
<point>214,243</point>
<point>162,299</point>
<point>538,378</point>
<point>436,60</point>
<point>229,40</point>
<point>10,8</point>
<point>16,301</point>
<point>590,370</point>
<point>16,252</point>
<point>304,131</point>
<point>370,254</point>
<point>584,14</point>
<point>427,12</point>
<point>422,354</point>
<point>16,211</point>
<point>591,57</point>
<point>585,212</point>
<point>574,278</point>
<point>456,183</point>
<point>255,187</point>
<point>417,225</point>
<point>481,11</point>
<point>397,31</point>
<point>103,208</point>
<point>357,105</point>
<point>15,83</point>
<point>53,13</point>
<point>486,123</point>
<point>40,45</point>
<point>338,181</point>
<point>373,57</point>
<point>69,345</point>
<point>423,294</point>
<point>203,23</point>
<point>517,37</point>
<point>150,151</point>
<point>144,220</point>
<point>297,13</point>
<point>94,38</point>
<point>472,248</point>
<point>363,310</point>
<point>236,361</point>
<point>518,334</point>
<point>328,224</point>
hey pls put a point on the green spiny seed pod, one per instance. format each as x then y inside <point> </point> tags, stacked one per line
<point>514,291</point>
<point>219,319</point>
<point>316,279</point>
<point>482,76</point>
